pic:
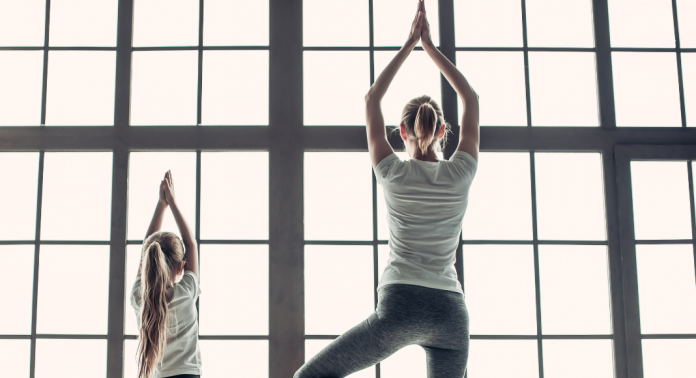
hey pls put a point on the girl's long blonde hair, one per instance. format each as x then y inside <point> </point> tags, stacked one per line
<point>423,119</point>
<point>162,254</point>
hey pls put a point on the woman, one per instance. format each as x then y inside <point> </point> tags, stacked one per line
<point>420,300</point>
<point>164,296</point>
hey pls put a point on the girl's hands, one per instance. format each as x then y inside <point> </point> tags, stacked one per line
<point>168,188</point>
<point>162,196</point>
<point>416,26</point>
<point>425,26</point>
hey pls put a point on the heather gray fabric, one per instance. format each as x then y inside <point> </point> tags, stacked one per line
<point>435,319</point>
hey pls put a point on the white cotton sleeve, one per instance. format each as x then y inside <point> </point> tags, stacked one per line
<point>464,164</point>
<point>383,169</point>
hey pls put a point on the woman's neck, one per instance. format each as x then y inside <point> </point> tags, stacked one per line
<point>429,156</point>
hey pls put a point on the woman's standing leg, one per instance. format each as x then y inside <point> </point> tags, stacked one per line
<point>446,363</point>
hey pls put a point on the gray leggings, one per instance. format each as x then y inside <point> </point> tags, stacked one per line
<point>435,319</point>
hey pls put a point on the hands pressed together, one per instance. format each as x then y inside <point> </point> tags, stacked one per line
<point>166,192</point>
<point>420,28</point>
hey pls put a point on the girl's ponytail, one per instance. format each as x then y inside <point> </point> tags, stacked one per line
<point>423,120</point>
<point>156,278</point>
<point>425,125</point>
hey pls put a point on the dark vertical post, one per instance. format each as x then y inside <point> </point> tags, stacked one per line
<point>692,193</point>
<point>537,282</point>
<point>37,248</point>
<point>44,89</point>
<point>614,263</point>
<point>605,81</point>
<point>200,63</point>
<point>286,202</point>
<point>119,194</point>
<point>677,43</point>
<point>526,65</point>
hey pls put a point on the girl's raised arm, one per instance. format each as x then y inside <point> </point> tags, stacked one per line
<point>158,216</point>
<point>469,136</point>
<point>184,229</point>
<point>377,141</point>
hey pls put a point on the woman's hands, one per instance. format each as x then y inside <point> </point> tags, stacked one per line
<point>167,189</point>
<point>416,26</point>
<point>425,26</point>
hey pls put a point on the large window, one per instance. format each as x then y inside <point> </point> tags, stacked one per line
<point>576,252</point>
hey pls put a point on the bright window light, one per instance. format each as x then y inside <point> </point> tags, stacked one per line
<point>689,81</point>
<point>76,202</point>
<point>492,23</point>
<point>63,269</point>
<point>687,29</point>
<point>520,358</point>
<point>18,197</point>
<point>147,170</point>
<point>133,254</point>
<point>578,359</point>
<point>564,23</point>
<point>669,358</point>
<point>57,358</point>
<point>15,357</point>
<point>563,89</point>
<point>244,268</point>
<point>336,23</point>
<point>166,23</point>
<point>18,275</point>
<point>393,19</point>
<point>83,23</point>
<point>660,200</point>
<point>80,88</point>
<point>235,23</point>
<point>641,23</point>
<point>22,23</point>
<point>646,89</point>
<point>666,288</point>
<point>312,347</point>
<point>235,88</point>
<point>164,88</point>
<point>234,211</point>
<point>21,82</point>
<point>407,362</point>
<point>499,287</point>
<point>335,85</point>
<point>500,198</point>
<point>235,358</point>
<point>339,288</point>
<point>337,196</point>
<point>570,196</point>
<point>498,79</point>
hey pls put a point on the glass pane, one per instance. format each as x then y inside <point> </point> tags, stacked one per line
<point>62,275</point>
<point>646,89</point>
<point>669,358</point>
<point>337,202</point>
<point>689,81</point>
<point>337,299</point>
<point>244,267</point>
<point>520,358</point>
<point>19,276</point>
<point>500,199</point>
<point>130,366</point>
<point>407,362</point>
<point>14,355</point>
<point>578,359</point>
<point>492,23</point>
<point>133,252</point>
<point>161,23</point>
<point>574,289</point>
<point>565,23</point>
<point>499,287</point>
<point>146,172</point>
<point>404,87</point>
<point>56,358</point>
<point>18,195</point>
<point>498,78</point>
<point>336,23</point>
<point>570,196</point>
<point>165,88</point>
<point>80,88</point>
<point>22,23</point>
<point>76,203</point>
<point>641,23</point>
<point>83,23</point>
<point>687,29</point>
<point>390,13</point>
<point>235,358</point>
<point>661,200</point>
<point>563,89</point>
<point>341,100</point>
<point>234,211</point>
<point>312,347</point>
<point>21,82</point>
<point>251,29</point>
<point>666,288</point>
<point>235,88</point>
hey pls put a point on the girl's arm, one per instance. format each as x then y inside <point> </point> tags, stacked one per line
<point>184,229</point>
<point>158,216</point>
<point>469,133</point>
<point>377,141</point>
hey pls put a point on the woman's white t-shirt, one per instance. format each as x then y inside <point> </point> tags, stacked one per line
<point>426,202</point>
<point>182,354</point>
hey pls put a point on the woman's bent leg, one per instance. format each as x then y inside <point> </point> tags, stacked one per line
<point>446,363</point>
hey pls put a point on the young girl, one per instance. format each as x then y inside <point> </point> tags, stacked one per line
<point>164,296</point>
<point>420,300</point>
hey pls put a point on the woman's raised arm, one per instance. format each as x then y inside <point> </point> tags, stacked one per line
<point>186,235</point>
<point>377,141</point>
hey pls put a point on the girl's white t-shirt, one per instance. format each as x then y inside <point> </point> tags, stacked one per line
<point>182,355</point>
<point>426,202</point>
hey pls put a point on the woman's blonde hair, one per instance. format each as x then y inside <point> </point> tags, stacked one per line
<point>162,253</point>
<point>423,118</point>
